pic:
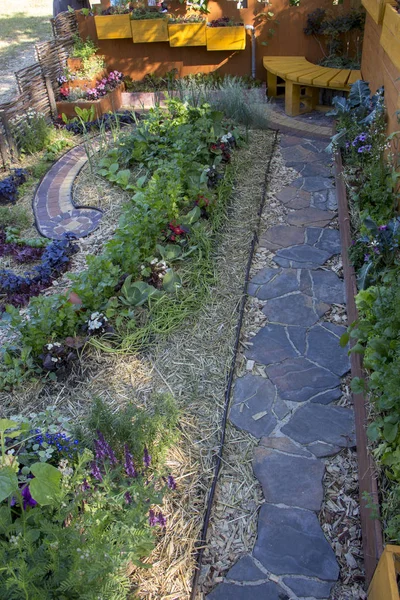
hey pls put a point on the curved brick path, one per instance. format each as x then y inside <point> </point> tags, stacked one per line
<point>300,423</point>
<point>54,211</point>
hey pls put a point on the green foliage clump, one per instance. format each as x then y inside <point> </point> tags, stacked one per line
<point>73,518</point>
<point>14,216</point>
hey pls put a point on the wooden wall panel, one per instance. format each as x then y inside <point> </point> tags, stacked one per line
<point>288,23</point>
<point>378,69</point>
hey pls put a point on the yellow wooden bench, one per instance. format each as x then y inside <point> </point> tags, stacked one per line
<point>298,74</point>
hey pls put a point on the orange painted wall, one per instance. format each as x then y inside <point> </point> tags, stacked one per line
<point>288,22</point>
<point>378,69</point>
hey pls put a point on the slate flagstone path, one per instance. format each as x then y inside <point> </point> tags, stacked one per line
<point>304,362</point>
<point>55,213</point>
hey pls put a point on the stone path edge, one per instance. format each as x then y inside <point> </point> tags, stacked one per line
<point>372,537</point>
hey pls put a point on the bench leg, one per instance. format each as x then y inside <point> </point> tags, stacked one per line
<point>272,88</point>
<point>292,99</point>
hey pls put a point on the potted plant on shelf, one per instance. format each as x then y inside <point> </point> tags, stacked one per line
<point>105,96</point>
<point>84,67</point>
<point>149,26</point>
<point>390,36</point>
<point>224,34</point>
<point>114,22</point>
<point>187,31</point>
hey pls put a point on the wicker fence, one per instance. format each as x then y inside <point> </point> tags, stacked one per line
<point>36,83</point>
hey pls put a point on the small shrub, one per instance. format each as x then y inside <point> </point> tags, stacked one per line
<point>31,131</point>
<point>12,216</point>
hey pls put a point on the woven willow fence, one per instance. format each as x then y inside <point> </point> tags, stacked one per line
<point>36,83</point>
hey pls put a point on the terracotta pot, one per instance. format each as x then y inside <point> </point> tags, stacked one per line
<point>74,299</point>
<point>109,103</point>
<point>74,64</point>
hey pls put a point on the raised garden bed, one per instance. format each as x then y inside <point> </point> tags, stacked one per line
<point>371,527</point>
<point>112,27</point>
<point>226,38</point>
<point>384,583</point>
<point>110,102</point>
<point>390,36</point>
<point>187,34</point>
<point>149,30</point>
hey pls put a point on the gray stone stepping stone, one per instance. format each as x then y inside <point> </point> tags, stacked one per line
<point>323,348</point>
<point>298,380</point>
<point>329,240</point>
<point>231,591</point>
<point>325,200</point>
<point>291,541</point>
<point>274,343</point>
<point>293,198</point>
<point>245,570</point>
<point>313,184</point>
<point>284,282</point>
<point>320,449</point>
<point>301,257</point>
<point>325,285</point>
<point>305,587</point>
<point>316,169</point>
<point>256,405</point>
<point>318,423</point>
<point>264,275</point>
<point>282,236</point>
<point>310,216</point>
<point>298,154</point>
<point>292,140</point>
<point>294,309</point>
<point>283,444</point>
<point>327,396</point>
<point>287,479</point>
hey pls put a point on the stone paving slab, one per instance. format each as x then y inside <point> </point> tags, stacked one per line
<point>230,591</point>
<point>278,474</point>
<point>256,406</point>
<point>291,541</point>
<point>54,211</point>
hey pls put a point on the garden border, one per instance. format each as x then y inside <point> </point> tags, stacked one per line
<point>371,529</point>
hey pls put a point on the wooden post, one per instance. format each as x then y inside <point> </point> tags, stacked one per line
<point>52,98</point>
<point>4,154</point>
<point>9,137</point>
<point>272,87</point>
<point>292,99</point>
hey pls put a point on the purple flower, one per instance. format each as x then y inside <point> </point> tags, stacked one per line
<point>128,498</point>
<point>152,518</point>
<point>95,471</point>
<point>104,450</point>
<point>129,465</point>
<point>146,458</point>
<point>382,227</point>
<point>366,257</point>
<point>171,483</point>
<point>376,250</point>
<point>27,499</point>
<point>162,521</point>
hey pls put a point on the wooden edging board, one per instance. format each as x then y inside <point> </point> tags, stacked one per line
<point>372,540</point>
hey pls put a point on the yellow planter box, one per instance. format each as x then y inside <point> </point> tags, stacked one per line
<point>390,36</point>
<point>187,34</point>
<point>149,30</point>
<point>112,27</point>
<point>376,9</point>
<point>226,38</point>
<point>384,585</point>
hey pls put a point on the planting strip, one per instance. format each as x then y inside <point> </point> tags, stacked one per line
<point>55,213</point>
<point>292,410</point>
<point>371,527</point>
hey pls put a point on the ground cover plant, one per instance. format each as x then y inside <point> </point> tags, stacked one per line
<point>371,175</point>
<point>136,277</point>
<point>77,508</point>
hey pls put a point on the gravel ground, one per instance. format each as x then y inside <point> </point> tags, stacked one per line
<point>22,24</point>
